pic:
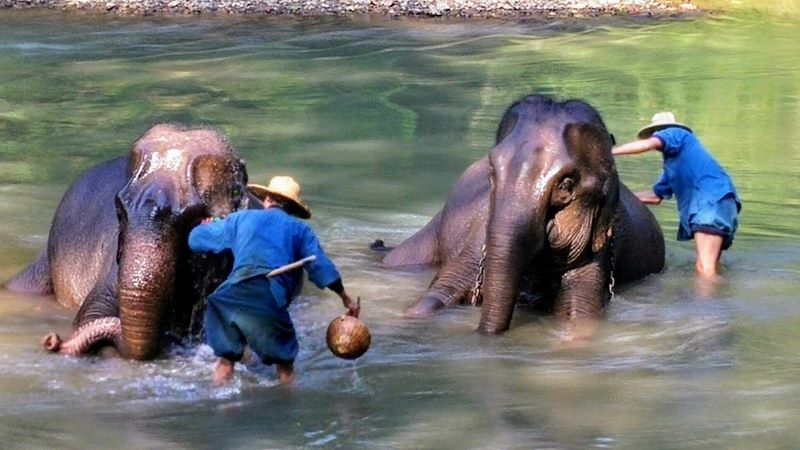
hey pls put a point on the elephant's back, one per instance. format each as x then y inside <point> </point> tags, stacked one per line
<point>459,224</point>
<point>465,212</point>
<point>82,245</point>
<point>638,239</point>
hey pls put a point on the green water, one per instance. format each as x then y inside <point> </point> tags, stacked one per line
<point>377,119</point>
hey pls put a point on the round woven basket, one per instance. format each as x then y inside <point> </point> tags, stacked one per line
<point>348,337</point>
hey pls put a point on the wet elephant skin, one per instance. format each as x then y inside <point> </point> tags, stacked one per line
<point>117,248</point>
<point>541,218</point>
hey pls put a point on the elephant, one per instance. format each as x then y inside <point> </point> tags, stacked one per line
<point>117,248</point>
<point>543,219</point>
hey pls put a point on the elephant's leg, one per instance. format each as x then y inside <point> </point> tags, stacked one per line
<point>101,302</point>
<point>86,337</point>
<point>35,279</point>
<point>581,300</point>
<point>452,284</point>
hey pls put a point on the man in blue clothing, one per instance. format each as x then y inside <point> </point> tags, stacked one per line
<point>708,204</point>
<point>248,308</point>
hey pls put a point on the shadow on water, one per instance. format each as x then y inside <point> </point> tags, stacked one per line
<point>377,120</point>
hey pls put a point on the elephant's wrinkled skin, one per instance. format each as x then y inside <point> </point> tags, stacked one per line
<point>548,206</point>
<point>117,246</point>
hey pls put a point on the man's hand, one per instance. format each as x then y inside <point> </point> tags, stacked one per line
<point>354,307</point>
<point>648,197</point>
<point>209,220</point>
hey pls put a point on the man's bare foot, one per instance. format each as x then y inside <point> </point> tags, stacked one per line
<point>247,357</point>
<point>707,287</point>
<point>223,372</point>
<point>285,373</point>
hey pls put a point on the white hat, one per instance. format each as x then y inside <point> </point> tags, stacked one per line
<point>286,189</point>
<point>660,121</point>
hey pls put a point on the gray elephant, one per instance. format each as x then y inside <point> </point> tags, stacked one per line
<point>117,247</point>
<point>542,218</point>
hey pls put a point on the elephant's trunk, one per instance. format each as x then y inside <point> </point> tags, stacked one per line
<point>514,236</point>
<point>146,280</point>
<point>106,329</point>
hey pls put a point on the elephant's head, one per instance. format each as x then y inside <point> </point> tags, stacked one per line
<point>177,176</point>
<point>554,193</point>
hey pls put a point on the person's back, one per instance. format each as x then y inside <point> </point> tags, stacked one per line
<point>265,238</point>
<point>693,172</point>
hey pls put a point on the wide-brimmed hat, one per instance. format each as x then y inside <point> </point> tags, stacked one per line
<point>660,121</point>
<point>284,188</point>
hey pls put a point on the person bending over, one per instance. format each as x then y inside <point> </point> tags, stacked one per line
<point>708,204</point>
<point>249,309</point>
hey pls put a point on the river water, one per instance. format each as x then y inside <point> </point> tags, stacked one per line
<point>377,119</point>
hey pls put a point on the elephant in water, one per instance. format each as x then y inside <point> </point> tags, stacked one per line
<point>542,218</point>
<point>117,249</point>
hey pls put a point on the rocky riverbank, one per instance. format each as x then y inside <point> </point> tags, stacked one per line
<point>391,8</point>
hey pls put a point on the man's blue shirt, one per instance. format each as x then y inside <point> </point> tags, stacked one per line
<point>691,174</point>
<point>262,240</point>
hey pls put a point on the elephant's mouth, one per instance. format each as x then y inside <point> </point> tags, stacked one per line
<point>554,238</point>
<point>567,243</point>
<point>190,217</point>
<point>548,229</point>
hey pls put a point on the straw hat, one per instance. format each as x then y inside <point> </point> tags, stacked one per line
<point>660,121</point>
<point>284,188</point>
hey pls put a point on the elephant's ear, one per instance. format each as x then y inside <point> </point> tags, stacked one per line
<point>507,123</point>
<point>219,182</point>
<point>590,146</point>
<point>136,161</point>
<point>606,215</point>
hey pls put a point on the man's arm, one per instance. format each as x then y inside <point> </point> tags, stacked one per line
<point>662,188</point>
<point>210,236</point>
<point>353,306</point>
<point>323,273</point>
<point>635,147</point>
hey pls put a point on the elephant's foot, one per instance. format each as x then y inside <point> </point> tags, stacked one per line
<point>578,333</point>
<point>426,306</point>
<point>85,337</point>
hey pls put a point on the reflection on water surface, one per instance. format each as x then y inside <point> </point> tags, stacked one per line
<point>378,119</point>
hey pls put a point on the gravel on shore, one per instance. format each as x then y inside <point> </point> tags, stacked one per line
<point>391,8</point>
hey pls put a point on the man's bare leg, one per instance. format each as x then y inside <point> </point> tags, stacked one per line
<point>285,373</point>
<point>709,249</point>
<point>223,372</point>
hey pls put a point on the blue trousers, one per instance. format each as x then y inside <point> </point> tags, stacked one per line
<point>246,313</point>
<point>719,219</point>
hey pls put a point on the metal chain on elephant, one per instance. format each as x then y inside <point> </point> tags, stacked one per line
<point>611,280</point>
<point>476,288</point>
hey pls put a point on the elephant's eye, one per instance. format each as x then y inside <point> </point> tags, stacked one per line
<point>206,196</point>
<point>564,193</point>
<point>566,186</point>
